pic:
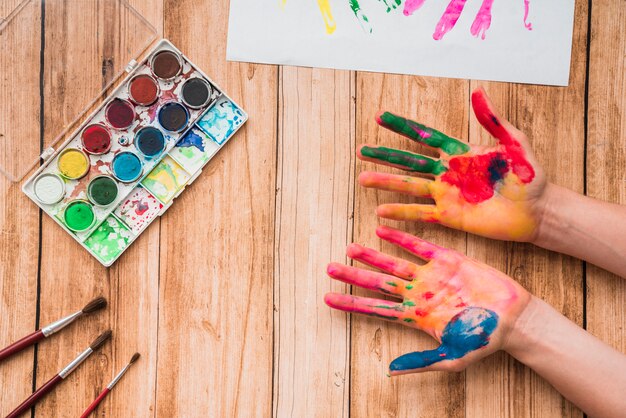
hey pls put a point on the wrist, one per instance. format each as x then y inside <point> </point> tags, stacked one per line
<point>528,333</point>
<point>552,226</point>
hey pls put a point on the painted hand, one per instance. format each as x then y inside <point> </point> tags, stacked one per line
<point>495,191</point>
<point>470,308</point>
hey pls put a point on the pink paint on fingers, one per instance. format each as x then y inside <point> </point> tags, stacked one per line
<point>373,307</point>
<point>528,25</point>
<point>449,18</point>
<point>482,20</point>
<point>412,5</point>
<point>366,279</point>
<point>396,266</point>
<point>411,243</point>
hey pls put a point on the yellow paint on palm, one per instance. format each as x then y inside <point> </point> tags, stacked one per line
<point>508,215</point>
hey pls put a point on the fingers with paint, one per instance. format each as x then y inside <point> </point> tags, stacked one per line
<point>493,191</point>
<point>465,305</point>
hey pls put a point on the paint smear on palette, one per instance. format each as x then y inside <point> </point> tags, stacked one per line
<point>139,209</point>
<point>166,179</point>
<point>222,120</point>
<point>194,150</point>
<point>109,240</point>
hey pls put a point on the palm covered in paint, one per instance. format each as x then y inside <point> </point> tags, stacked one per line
<point>467,306</point>
<point>495,191</point>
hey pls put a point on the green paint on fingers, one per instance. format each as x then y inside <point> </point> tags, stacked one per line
<point>409,287</point>
<point>422,134</point>
<point>409,320</point>
<point>408,303</point>
<point>410,161</point>
<point>391,284</point>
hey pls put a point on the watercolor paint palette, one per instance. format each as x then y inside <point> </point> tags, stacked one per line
<point>129,159</point>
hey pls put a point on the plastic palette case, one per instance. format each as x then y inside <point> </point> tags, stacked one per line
<point>114,150</point>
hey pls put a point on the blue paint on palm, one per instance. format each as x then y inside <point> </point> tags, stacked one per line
<point>498,167</point>
<point>467,331</point>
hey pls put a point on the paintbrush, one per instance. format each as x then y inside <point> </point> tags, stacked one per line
<point>109,387</point>
<point>94,305</point>
<point>52,383</point>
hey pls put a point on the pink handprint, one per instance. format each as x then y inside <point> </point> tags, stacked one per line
<point>453,12</point>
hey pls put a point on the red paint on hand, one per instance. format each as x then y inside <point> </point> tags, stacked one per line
<point>513,149</point>
<point>477,176</point>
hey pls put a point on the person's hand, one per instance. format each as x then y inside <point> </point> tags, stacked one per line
<point>497,191</point>
<point>470,308</point>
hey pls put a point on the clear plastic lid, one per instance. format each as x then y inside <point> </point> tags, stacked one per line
<point>58,60</point>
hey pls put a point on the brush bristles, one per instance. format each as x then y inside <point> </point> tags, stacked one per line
<point>134,358</point>
<point>100,340</point>
<point>94,305</point>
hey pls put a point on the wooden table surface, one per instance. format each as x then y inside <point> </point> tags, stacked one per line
<point>225,303</point>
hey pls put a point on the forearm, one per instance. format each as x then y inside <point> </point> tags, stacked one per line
<point>584,228</point>
<point>582,368</point>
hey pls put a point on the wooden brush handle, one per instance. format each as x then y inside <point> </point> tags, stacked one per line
<point>36,396</point>
<point>21,344</point>
<point>95,403</point>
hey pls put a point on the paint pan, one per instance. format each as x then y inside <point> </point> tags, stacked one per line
<point>102,191</point>
<point>173,117</point>
<point>138,209</point>
<point>166,65</point>
<point>126,167</point>
<point>79,216</point>
<point>166,180</point>
<point>120,114</point>
<point>73,163</point>
<point>96,139</point>
<point>49,189</point>
<point>109,240</point>
<point>150,141</point>
<point>194,150</point>
<point>196,93</point>
<point>143,90</point>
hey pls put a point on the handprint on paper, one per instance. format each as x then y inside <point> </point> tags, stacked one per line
<point>482,21</point>
<point>448,20</point>
<point>467,306</point>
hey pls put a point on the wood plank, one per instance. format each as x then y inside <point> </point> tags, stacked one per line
<point>69,275</point>
<point>315,191</point>
<point>606,158</point>
<point>438,103</point>
<point>500,386</point>
<point>215,308</point>
<point>19,217</point>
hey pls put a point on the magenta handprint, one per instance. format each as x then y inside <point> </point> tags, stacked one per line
<point>453,12</point>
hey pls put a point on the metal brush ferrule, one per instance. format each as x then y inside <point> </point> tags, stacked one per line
<point>118,377</point>
<point>75,363</point>
<point>60,324</point>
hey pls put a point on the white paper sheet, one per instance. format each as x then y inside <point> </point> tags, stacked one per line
<point>293,32</point>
